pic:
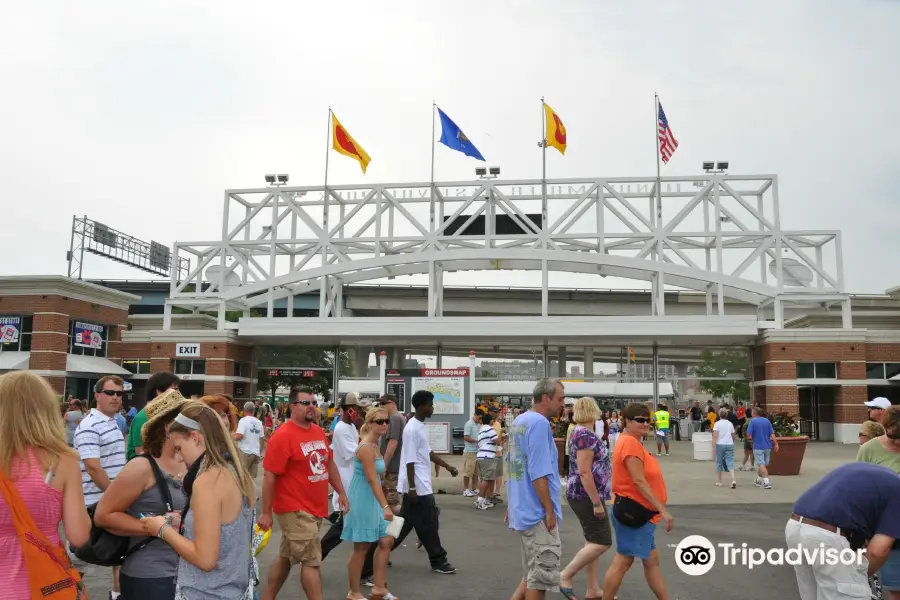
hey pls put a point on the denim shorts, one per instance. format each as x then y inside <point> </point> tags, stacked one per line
<point>890,572</point>
<point>762,457</point>
<point>724,457</point>
<point>638,542</point>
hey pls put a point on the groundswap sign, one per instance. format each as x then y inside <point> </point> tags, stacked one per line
<point>9,330</point>
<point>88,335</point>
<point>448,387</point>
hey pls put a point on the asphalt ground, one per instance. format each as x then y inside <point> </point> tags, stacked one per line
<point>488,558</point>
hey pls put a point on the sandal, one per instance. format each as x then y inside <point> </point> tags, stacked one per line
<point>568,592</point>
<point>387,596</point>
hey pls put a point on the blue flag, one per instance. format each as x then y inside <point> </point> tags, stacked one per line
<point>453,137</point>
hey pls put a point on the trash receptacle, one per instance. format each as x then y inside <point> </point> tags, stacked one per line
<point>703,449</point>
<point>685,429</point>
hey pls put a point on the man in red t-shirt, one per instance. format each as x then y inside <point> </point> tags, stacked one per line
<point>298,469</point>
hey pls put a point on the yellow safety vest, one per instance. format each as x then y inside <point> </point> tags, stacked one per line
<point>662,419</point>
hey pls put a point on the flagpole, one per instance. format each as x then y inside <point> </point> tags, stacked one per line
<point>543,165</point>
<point>658,182</point>
<point>324,281</point>
<point>431,188</point>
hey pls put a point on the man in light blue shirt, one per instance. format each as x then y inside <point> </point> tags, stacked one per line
<point>761,432</point>
<point>533,490</point>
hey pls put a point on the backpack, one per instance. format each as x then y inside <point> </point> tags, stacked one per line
<point>110,550</point>
<point>50,573</point>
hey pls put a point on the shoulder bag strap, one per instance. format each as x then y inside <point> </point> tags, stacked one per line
<point>167,498</point>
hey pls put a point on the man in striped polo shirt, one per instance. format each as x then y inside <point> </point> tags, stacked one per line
<point>101,446</point>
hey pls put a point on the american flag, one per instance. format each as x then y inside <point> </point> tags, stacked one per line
<point>667,141</point>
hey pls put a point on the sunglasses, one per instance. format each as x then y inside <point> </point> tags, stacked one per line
<point>380,421</point>
<point>306,402</point>
<point>641,420</point>
<point>112,392</point>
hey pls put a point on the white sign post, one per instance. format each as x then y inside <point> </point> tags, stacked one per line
<point>187,350</point>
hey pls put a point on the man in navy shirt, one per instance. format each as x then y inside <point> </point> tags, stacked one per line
<point>855,506</point>
<point>761,432</point>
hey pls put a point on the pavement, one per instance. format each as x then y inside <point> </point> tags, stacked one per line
<point>488,558</point>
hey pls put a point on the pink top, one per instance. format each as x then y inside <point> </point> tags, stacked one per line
<point>45,505</point>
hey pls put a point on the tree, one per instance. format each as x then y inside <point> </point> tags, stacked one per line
<point>722,364</point>
<point>298,357</point>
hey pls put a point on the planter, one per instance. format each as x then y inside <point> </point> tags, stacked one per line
<point>561,451</point>
<point>789,457</point>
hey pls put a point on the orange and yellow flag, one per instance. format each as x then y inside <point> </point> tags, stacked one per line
<point>344,144</point>
<point>556,131</point>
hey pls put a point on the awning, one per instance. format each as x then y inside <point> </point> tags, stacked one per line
<point>93,365</point>
<point>13,361</point>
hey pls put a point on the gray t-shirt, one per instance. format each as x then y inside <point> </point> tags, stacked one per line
<point>73,418</point>
<point>156,559</point>
<point>394,432</point>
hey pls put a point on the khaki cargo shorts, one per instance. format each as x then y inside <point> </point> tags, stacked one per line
<point>389,487</point>
<point>487,469</point>
<point>300,538</point>
<point>468,469</point>
<point>541,554</point>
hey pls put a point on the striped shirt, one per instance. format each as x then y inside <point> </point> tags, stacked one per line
<point>487,443</point>
<point>98,436</point>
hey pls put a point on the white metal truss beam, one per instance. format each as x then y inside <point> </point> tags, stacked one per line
<point>713,228</point>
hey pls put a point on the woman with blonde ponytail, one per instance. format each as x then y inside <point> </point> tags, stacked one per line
<point>215,532</point>
<point>366,523</point>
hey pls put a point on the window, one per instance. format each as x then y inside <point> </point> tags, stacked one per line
<point>874,370</point>
<point>18,327</point>
<point>882,370</point>
<point>190,367</point>
<point>241,369</point>
<point>88,339</point>
<point>137,366</point>
<point>816,370</point>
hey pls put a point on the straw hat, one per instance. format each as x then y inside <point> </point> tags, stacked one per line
<point>163,405</point>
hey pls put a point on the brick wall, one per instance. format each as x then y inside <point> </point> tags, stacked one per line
<point>848,404</point>
<point>814,352</point>
<point>851,370</point>
<point>883,352</point>
<point>778,398</point>
<point>781,370</point>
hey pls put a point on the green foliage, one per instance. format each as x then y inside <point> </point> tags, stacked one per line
<point>722,364</point>
<point>785,424</point>
<point>298,357</point>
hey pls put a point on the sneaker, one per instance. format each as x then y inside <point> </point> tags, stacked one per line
<point>482,504</point>
<point>734,485</point>
<point>496,500</point>
<point>368,582</point>
<point>469,493</point>
<point>767,486</point>
<point>659,454</point>
<point>667,454</point>
<point>757,482</point>
<point>718,484</point>
<point>445,569</point>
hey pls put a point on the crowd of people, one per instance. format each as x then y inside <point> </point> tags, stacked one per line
<point>174,491</point>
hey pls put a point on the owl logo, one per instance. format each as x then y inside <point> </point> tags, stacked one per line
<point>462,137</point>
<point>318,463</point>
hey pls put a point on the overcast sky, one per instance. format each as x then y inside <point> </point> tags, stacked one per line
<point>139,114</point>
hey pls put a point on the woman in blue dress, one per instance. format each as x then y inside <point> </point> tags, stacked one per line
<point>366,523</point>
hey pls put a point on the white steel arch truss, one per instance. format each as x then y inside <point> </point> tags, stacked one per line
<point>715,233</point>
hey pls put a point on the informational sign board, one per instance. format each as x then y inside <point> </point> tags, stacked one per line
<point>88,335</point>
<point>398,390</point>
<point>448,393</point>
<point>301,372</point>
<point>438,437</point>
<point>187,350</point>
<point>9,329</point>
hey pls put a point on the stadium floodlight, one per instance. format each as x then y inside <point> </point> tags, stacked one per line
<point>722,166</point>
<point>283,178</point>
<point>495,170</point>
<point>270,178</point>
<point>708,165</point>
<point>480,171</point>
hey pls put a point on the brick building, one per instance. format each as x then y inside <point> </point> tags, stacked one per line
<point>74,332</point>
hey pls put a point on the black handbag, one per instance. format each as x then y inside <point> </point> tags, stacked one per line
<point>631,513</point>
<point>110,550</point>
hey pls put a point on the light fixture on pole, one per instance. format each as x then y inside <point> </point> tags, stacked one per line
<point>715,166</point>
<point>487,173</point>
<point>277,180</point>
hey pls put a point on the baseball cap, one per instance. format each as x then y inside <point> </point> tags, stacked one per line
<point>351,399</point>
<point>879,402</point>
